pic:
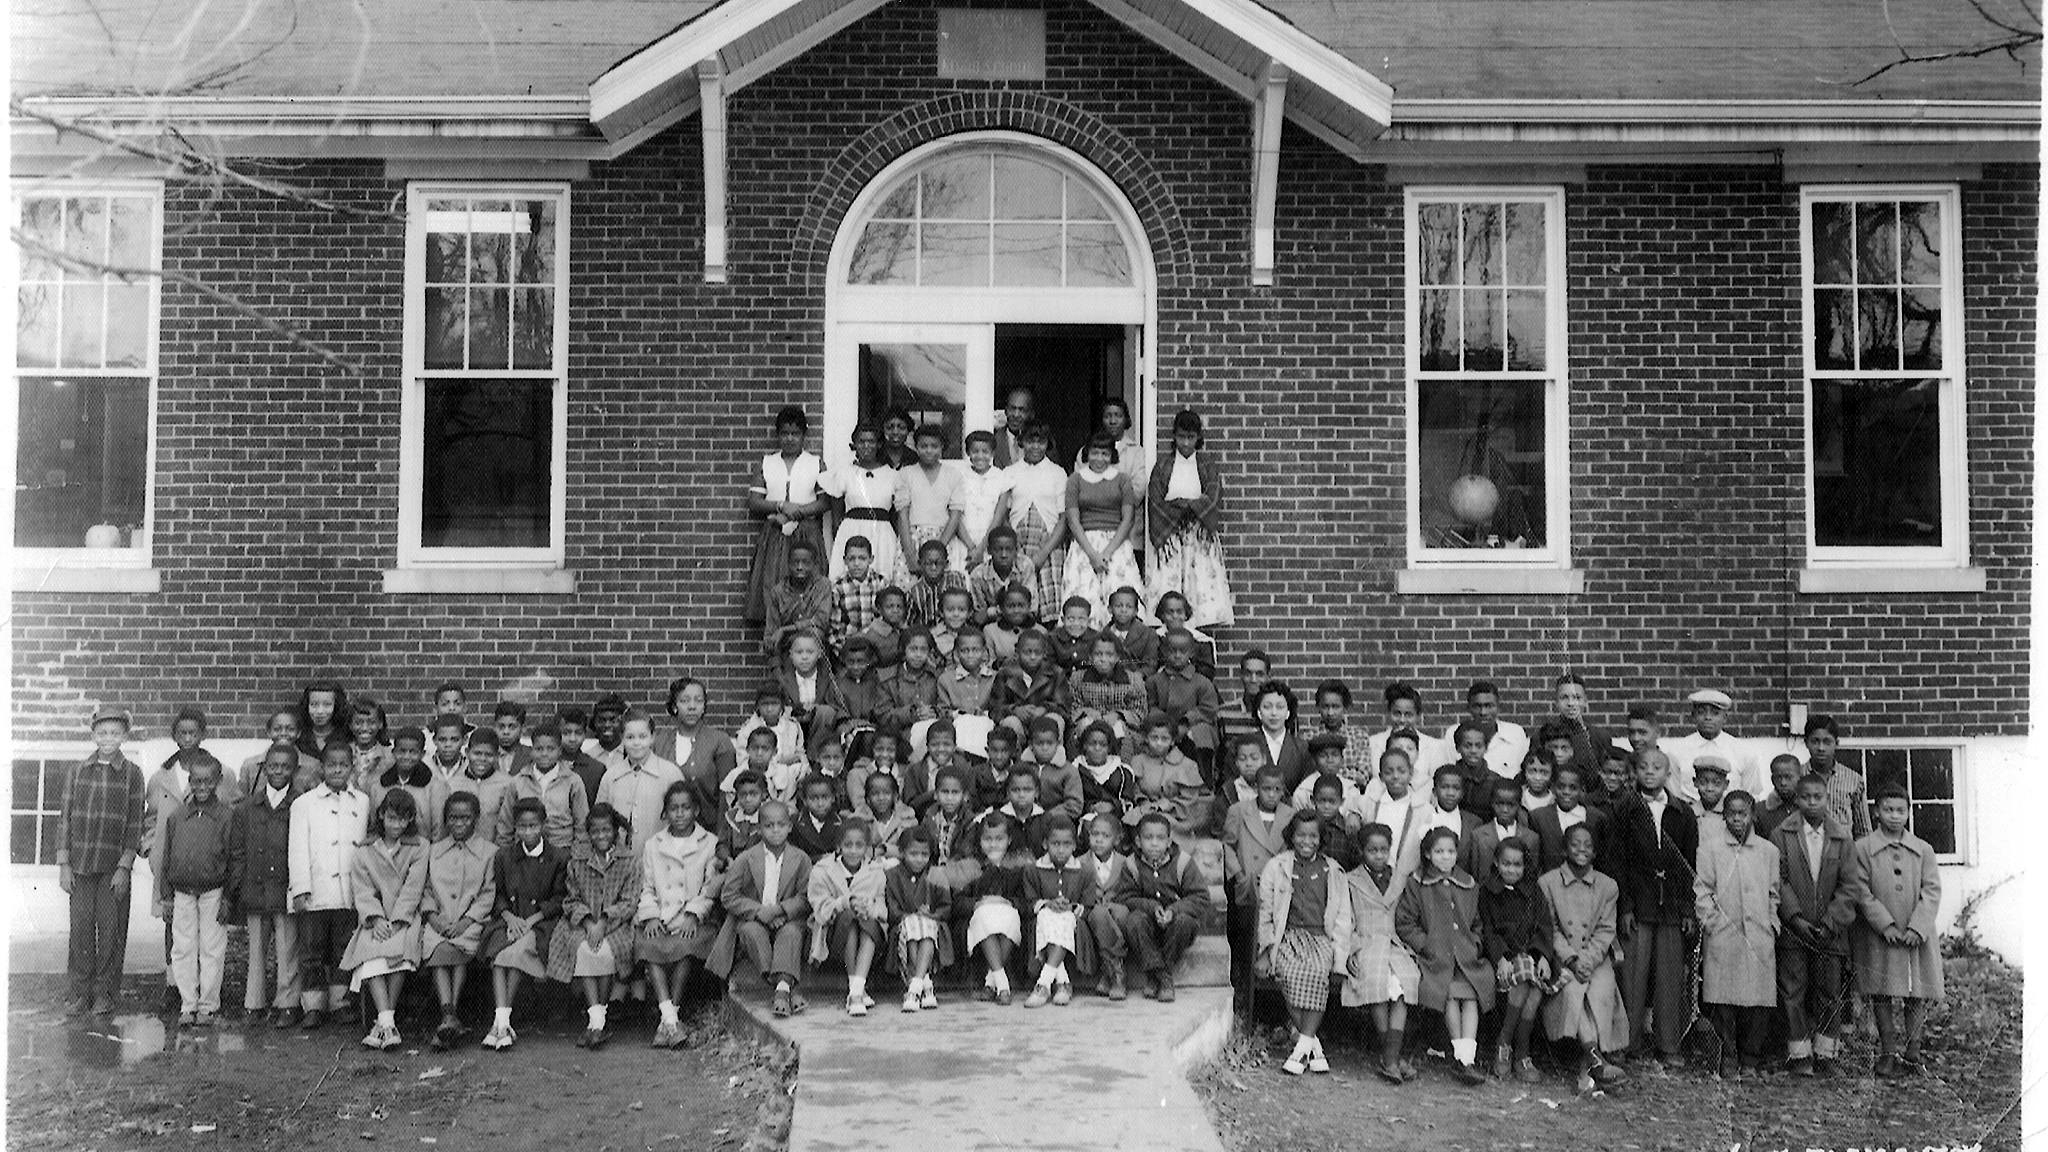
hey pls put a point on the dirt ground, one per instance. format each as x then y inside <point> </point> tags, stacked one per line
<point>1968,1098</point>
<point>125,1084</point>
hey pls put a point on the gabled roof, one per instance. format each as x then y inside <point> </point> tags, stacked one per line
<point>493,73</point>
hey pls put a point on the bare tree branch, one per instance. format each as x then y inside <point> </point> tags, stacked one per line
<point>2016,37</point>
<point>131,274</point>
<point>184,156</point>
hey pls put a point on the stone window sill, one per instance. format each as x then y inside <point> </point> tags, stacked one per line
<point>1827,581</point>
<point>480,581</point>
<point>1488,580</point>
<point>66,578</point>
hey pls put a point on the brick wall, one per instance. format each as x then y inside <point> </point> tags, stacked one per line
<point>277,476</point>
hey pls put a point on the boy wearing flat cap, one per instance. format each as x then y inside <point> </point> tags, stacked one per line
<point>1709,711</point>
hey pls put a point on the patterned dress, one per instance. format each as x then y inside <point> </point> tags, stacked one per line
<point>778,480</point>
<point>1038,502</point>
<point>1098,501</point>
<point>1187,553</point>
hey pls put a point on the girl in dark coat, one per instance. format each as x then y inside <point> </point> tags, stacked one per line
<point>1515,927</point>
<point>532,880</point>
<point>1438,919</point>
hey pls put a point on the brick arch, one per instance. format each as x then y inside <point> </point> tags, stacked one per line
<point>1031,113</point>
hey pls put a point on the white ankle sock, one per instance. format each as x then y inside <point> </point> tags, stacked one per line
<point>1464,1050</point>
<point>668,1012</point>
<point>596,1015</point>
<point>782,985</point>
<point>1001,979</point>
<point>387,1019</point>
<point>1302,1046</point>
<point>856,985</point>
<point>502,1018</point>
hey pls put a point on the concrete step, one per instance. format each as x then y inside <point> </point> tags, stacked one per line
<point>1206,964</point>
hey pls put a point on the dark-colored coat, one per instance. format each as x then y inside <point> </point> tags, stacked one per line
<point>1550,838</point>
<point>1655,873</point>
<point>1438,919</point>
<point>259,866</point>
<point>194,848</point>
<point>814,841</point>
<point>904,893</point>
<point>1475,851</point>
<point>526,885</point>
<point>1174,883</point>
<point>1829,902</point>
<point>1004,882</point>
<point>1515,921</point>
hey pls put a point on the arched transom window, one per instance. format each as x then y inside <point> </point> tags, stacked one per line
<point>997,216</point>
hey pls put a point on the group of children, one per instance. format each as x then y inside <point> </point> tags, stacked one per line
<point>1559,882</point>
<point>1549,888</point>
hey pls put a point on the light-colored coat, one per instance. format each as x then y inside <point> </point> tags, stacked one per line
<point>679,874</point>
<point>460,887</point>
<point>1276,893</point>
<point>1376,952</point>
<point>566,805</point>
<point>1897,882</point>
<point>1586,913</point>
<point>832,890</point>
<point>390,887</point>
<point>1249,843</point>
<point>325,829</point>
<point>1735,895</point>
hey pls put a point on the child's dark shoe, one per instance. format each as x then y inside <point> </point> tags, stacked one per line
<point>77,1006</point>
<point>1525,1071</point>
<point>1004,998</point>
<point>1390,1075</point>
<point>1910,1063</point>
<point>1887,1067</point>
<point>1166,992</point>
<point>988,993</point>
<point>1503,1062</point>
<point>1605,1073</point>
<point>1800,1066</point>
<point>1467,1074</point>
<point>592,1038</point>
<point>313,1019</point>
<point>1823,1066</point>
<point>1672,1061</point>
<point>103,1006</point>
<point>783,1005</point>
<point>1117,990</point>
<point>187,1019</point>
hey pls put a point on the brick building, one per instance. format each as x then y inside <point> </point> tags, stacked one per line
<point>1741,348</point>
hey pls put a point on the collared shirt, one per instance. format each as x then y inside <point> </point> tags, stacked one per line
<point>987,585</point>
<point>1531,801</point>
<point>1358,763</point>
<point>1184,482</point>
<point>1686,749</point>
<point>925,597</point>
<point>1453,819</point>
<point>771,875</point>
<point>1847,801</point>
<point>1569,817</point>
<point>1506,746</point>
<point>1816,838</point>
<point>276,796</point>
<point>533,853</point>
<point>102,818</point>
<point>806,688</point>
<point>1656,805</point>
<point>853,603</point>
<point>1430,755</point>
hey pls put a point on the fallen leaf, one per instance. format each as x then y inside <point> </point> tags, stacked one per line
<point>1546,1102</point>
<point>434,1073</point>
<point>635,1106</point>
<point>1519,1097</point>
<point>428,1140</point>
<point>201,1129</point>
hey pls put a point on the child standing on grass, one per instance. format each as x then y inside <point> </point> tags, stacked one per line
<point>532,882</point>
<point>1516,927</point>
<point>989,905</point>
<point>1735,892</point>
<point>1060,889</point>
<point>849,913</point>
<point>326,826</point>
<point>1380,973</point>
<point>1587,1006</point>
<point>454,909</point>
<point>785,495</point>
<point>594,947</point>
<point>679,886</point>
<point>765,894</point>
<point>1438,919</point>
<point>1304,934</point>
<point>259,874</point>
<point>191,889</point>
<point>1817,907</point>
<point>918,907</point>
<point>1897,881</point>
<point>390,875</point>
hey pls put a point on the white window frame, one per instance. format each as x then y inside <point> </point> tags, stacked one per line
<point>97,569</point>
<point>1461,570</point>
<point>1954,550</point>
<point>1959,752</point>
<point>412,405</point>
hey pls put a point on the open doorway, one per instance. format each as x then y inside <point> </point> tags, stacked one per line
<point>1071,369</point>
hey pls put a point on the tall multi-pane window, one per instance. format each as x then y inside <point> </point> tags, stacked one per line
<point>1486,371</point>
<point>1884,374</point>
<point>85,371</point>
<point>486,375</point>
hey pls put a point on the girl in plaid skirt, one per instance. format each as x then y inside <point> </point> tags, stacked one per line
<point>1515,927</point>
<point>1304,934</point>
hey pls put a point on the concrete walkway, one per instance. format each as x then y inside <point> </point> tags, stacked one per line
<point>969,1075</point>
